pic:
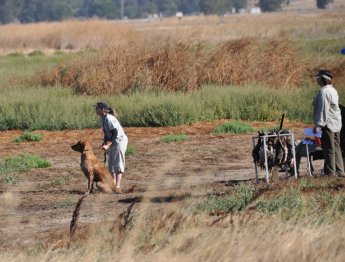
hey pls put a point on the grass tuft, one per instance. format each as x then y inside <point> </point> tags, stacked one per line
<point>174,138</point>
<point>287,200</point>
<point>36,53</point>
<point>22,163</point>
<point>234,127</point>
<point>12,165</point>
<point>242,196</point>
<point>130,150</point>
<point>28,137</point>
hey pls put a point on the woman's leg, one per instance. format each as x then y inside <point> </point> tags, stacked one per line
<point>118,180</point>
<point>114,177</point>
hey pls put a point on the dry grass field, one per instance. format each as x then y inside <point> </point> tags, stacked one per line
<point>76,35</point>
<point>163,211</point>
<point>278,50</point>
<point>155,217</point>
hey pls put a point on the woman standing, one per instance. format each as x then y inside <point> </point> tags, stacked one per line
<point>115,140</point>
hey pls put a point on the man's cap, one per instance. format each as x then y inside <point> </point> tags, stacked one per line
<point>324,74</point>
<point>102,104</point>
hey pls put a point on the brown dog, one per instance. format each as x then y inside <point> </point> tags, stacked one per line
<point>93,169</point>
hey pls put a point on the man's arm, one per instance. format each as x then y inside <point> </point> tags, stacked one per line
<point>322,109</point>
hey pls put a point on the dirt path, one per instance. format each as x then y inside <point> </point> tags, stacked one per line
<point>41,204</point>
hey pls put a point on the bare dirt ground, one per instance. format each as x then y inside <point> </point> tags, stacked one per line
<point>37,211</point>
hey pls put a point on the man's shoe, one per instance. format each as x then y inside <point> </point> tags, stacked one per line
<point>340,174</point>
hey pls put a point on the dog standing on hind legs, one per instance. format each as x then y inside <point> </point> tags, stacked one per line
<point>94,171</point>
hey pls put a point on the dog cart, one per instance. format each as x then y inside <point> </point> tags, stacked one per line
<point>265,152</point>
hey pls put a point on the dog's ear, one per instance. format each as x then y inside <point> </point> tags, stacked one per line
<point>78,147</point>
<point>86,145</point>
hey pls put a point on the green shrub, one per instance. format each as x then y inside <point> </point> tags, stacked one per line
<point>174,138</point>
<point>233,127</point>
<point>28,137</point>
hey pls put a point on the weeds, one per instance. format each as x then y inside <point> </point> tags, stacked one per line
<point>174,138</point>
<point>36,53</point>
<point>28,137</point>
<point>233,128</point>
<point>242,196</point>
<point>307,184</point>
<point>11,166</point>
<point>130,150</point>
<point>288,200</point>
<point>22,163</point>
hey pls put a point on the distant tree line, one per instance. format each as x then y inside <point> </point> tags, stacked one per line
<point>26,11</point>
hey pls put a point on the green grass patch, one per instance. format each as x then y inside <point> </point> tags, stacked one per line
<point>305,183</point>
<point>15,54</point>
<point>22,163</point>
<point>233,127</point>
<point>130,150</point>
<point>36,53</point>
<point>174,138</point>
<point>321,50</point>
<point>242,196</point>
<point>14,66</point>
<point>317,204</point>
<point>59,52</point>
<point>28,137</point>
<point>11,166</point>
<point>287,200</point>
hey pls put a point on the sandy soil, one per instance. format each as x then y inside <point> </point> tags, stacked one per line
<point>40,206</point>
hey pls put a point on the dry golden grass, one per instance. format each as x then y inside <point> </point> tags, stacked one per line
<point>177,54</point>
<point>171,67</point>
<point>76,35</point>
<point>182,67</point>
<point>68,35</point>
<point>176,235</point>
<point>250,60</point>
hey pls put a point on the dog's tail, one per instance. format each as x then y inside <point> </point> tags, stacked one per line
<point>75,217</point>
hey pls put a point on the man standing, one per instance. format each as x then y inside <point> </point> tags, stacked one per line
<point>327,116</point>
